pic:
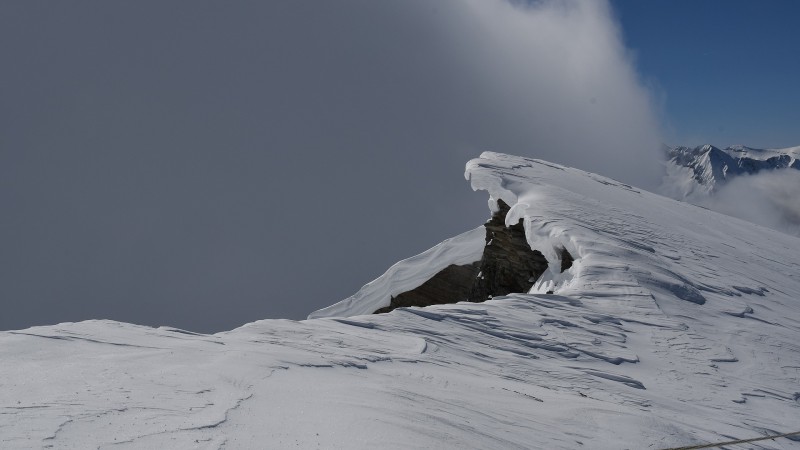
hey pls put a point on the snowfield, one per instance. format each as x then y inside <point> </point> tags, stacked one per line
<point>674,326</point>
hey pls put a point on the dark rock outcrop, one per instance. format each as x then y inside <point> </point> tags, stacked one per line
<point>508,265</point>
<point>452,284</point>
<point>566,259</point>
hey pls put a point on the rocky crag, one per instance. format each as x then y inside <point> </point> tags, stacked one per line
<point>508,265</point>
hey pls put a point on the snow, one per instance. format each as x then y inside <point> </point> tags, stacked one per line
<point>741,151</point>
<point>758,185</point>
<point>695,173</point>
<point>408,274</point>
<point>675,325</point>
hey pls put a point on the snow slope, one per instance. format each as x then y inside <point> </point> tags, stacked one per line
<point>408,274</point>
<point>675,325</point>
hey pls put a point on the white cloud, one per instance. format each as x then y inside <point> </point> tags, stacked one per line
<point>451,78</point>
<point>553,80</point>
<point>769,198</point>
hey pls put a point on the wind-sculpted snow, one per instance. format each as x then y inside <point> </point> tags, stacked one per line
<point>673,326</point>
<point>628,242</point>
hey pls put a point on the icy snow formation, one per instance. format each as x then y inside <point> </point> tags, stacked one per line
<point>675,325</point>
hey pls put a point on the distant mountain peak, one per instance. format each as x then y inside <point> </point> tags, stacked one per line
<point>702,169</point>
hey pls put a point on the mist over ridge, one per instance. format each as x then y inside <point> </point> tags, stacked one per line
<point>761,186</point>
<point>155,174</point>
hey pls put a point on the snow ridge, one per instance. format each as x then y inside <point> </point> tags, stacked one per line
<point>674,326</point>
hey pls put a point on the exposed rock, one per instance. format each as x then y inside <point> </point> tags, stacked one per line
<point>566,259</point>
<point>452,284</point>
<point>508,265</point>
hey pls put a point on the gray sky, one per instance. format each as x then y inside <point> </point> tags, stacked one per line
<point>206,164</point>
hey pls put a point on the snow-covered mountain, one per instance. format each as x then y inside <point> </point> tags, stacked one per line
<point>702,169</point>
<point>652,323</point>
<point>761,186</point>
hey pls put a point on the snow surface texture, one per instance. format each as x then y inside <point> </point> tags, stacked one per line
<point>675,325</point>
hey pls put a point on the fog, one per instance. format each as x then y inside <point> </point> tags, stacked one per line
<point>769,198</point>
<point>209,165</point>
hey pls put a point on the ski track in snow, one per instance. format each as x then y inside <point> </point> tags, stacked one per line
<point>674,326</point>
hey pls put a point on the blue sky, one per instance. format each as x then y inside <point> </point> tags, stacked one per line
<point>726,71</point>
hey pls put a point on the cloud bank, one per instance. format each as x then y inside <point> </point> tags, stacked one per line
<point>770,198</point>
<point>553,80</point>
<point>198,166</point>
<point>548,79</point>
